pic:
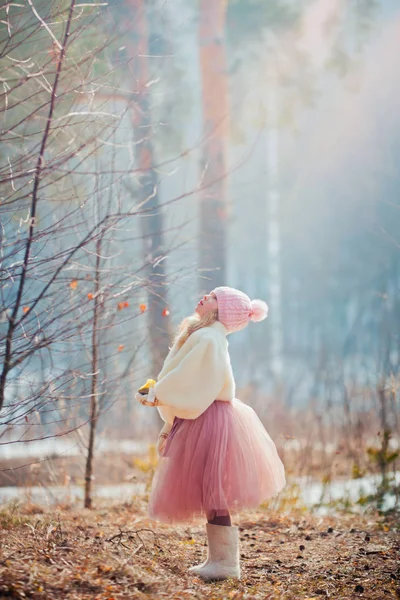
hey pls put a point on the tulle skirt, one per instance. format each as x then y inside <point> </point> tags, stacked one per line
<point>221,462</point>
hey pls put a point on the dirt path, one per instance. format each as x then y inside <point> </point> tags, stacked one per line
<point>115,552</point>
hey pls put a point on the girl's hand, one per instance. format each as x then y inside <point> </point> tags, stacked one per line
<point>162,439</point>
<point>161,443</point>
<point>148,399</point>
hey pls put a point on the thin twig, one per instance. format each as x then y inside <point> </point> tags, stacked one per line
<point>35,12</point>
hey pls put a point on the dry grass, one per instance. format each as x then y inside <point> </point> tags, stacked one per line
<point>110,469</point>
<point>116,468</point>
<point>116,552</point>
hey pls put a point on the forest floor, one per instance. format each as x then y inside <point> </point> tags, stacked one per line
<point>115,551</point>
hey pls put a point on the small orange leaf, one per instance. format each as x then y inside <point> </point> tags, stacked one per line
<point>90,296</point>
<point>143,308</point>
<point>121,347</point>
<point>54,52</point>
<point>26,309</point>
<point>221,213</point>
<point>120,305</point>
<point>74,284</point>
<point>165,312</point>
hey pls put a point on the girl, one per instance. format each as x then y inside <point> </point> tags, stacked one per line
<point>215,455</point>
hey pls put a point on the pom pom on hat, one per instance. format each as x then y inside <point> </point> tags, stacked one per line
<point>259,310</point>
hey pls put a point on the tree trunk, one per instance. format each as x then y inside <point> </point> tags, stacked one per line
<point>152,228</point>
<point>94,387</point>
<point>273,259</point>
<point>213,205</point>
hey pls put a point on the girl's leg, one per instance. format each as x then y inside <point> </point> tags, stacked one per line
<point>223,520</point>
<point>223,549</point>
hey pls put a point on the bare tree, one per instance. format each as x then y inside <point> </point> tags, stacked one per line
<point>72,268</point>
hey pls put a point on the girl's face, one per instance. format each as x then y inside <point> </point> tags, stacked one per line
<point>206,304</point>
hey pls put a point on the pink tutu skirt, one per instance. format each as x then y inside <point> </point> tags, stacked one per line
<point>221,462</point>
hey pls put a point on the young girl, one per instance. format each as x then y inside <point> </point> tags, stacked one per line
<point>215,455</point>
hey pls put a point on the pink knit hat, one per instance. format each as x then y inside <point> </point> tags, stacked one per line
<point>236,310</point>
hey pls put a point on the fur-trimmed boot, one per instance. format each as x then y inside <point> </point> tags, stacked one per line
<point>223,554</point>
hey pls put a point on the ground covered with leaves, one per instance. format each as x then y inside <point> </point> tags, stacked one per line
<point>116,552</point>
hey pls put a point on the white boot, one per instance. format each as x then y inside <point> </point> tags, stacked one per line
<point>223,554</point>
<point>196,570</point>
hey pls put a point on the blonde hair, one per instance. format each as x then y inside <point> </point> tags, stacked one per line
<point>192,324</point>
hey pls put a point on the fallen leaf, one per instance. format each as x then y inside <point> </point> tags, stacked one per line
<point>90,296</point>
<point>121,347</point>
<point>74,284</point>
<point>26,309</point>
<point>143,308</point>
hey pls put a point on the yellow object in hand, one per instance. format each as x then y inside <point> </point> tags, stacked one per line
<point>150,383</point>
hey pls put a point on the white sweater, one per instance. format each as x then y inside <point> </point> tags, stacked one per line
<point>195,375</point>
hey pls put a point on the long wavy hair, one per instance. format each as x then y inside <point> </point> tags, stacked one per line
<point>192,324</point>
